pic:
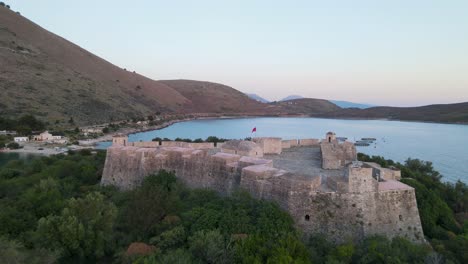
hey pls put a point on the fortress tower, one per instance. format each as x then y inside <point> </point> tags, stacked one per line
<point>335,154</point>
<point>120,140</point>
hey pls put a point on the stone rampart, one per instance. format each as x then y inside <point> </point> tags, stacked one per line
<point>359,201</point>
<point>269,145</point>
<point>145,144</point>
<point>337,155</point>
<point>306,142</point>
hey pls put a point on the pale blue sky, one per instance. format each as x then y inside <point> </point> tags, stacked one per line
<point>381,52</point>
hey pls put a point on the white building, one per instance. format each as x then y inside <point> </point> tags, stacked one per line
<point>21,139</point>
<point>46,136</point>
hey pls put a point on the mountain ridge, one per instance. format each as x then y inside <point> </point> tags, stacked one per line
<point>48,76</point>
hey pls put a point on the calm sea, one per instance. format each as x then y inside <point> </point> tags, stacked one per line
<point>444,145</point>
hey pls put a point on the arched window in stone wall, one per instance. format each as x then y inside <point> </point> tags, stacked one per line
<point>307,217</point>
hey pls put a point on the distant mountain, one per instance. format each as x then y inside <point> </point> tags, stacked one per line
<point>256,97</point>
<point>346,104</point>
<point>291,97</point>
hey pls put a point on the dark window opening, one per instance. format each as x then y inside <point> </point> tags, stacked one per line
<point>329,139</point>
<point>307,217</point>
<point>401,217</point>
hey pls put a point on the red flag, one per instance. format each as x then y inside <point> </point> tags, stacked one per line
<point>254,129</point>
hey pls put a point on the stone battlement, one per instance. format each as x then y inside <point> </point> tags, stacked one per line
<point>319,182</point>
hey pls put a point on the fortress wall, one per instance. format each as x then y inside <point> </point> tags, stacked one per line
<point>291,142</point>
<point>309,142</point>
<point>395,213</point>
<point>269,145</point>
<point>125,167</point>
<point>174,144</point>
<point>204,145</point>
<point>390,174</point>
<point>264,182</point>
<point>337,155</point>
<point>360,180</point>
<point>146,144</point>
<point>357,215</point>
<point>285,144</point>
<point>338,216</point>
<point>385,173</point>
<point>217,172</point>
<point>365,207</point>
<point>257,152</point>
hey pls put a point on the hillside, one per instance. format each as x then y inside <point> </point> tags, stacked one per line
<point>207,97</point>
<point>441,113</point>
<point>306,106</point>
<point>54,79</point>
<point>257,97</point>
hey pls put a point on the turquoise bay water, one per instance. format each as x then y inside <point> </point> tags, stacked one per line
<point>443,144</point>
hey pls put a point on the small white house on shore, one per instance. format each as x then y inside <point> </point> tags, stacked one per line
<point>21,139</point>
<point>46,136</point>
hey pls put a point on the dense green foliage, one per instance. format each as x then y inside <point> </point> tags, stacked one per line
<point>13,145</point>
<point>443,207</point>
<point>24,125</point>
<point>52,208</point>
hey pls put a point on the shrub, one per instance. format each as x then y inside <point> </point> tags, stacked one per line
<point>13,145</point>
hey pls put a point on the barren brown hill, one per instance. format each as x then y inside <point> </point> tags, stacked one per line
<point>54,79</point>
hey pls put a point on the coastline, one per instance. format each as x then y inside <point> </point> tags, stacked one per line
<point>131,130</point>
<point>134,130</point>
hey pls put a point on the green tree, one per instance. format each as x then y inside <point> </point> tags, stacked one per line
<point>15,253</point>
<point>158,197</point>
<point>83,229</point>
<point>209,246</point>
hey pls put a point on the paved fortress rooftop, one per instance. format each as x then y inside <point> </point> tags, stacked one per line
<point>319,182</point>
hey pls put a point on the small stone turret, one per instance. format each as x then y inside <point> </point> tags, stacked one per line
<point>120,140</point>
<point>330,137</point>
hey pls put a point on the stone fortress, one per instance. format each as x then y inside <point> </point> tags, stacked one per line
<point>319,182</point>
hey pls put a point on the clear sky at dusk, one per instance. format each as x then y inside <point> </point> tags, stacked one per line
<point>380,52</point>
